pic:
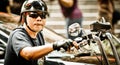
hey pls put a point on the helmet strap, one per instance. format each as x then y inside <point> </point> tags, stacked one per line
<point>27,25</point>
<point>30,28</point>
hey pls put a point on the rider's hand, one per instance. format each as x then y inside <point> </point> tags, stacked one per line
<point>65,44</point>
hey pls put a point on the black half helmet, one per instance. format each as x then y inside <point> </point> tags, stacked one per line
<point>34,6</point>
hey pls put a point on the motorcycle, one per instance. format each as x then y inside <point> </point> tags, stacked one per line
<point>100,44</point>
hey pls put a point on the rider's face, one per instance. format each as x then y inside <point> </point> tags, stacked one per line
<point>36,21</point>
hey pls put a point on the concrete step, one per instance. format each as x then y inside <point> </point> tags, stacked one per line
<point>95,14</point>
<point>63,22</point>
<point>55,2</point>
<point>59,17</point>
<point>63,19</point>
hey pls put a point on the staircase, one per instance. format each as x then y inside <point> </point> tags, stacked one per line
<point>56,21</point>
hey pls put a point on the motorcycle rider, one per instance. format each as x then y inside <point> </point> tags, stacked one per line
<point>26,44</point>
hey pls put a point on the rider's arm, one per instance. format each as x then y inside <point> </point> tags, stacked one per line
<point>67,3</point>
<point>36,52</point>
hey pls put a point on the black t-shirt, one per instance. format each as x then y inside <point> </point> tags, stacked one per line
<point>19,39</point>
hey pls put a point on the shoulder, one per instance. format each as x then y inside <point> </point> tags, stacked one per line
<point>18,32</point>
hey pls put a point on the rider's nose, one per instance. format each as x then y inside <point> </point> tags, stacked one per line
<point>39,18</point>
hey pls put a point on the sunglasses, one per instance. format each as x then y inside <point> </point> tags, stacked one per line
<point>35,15</point>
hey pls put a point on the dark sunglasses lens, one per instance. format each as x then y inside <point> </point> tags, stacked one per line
<point>33,15</point>
<point>43,16</point>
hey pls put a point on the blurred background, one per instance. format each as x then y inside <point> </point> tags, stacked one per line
<point>90,11</point>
